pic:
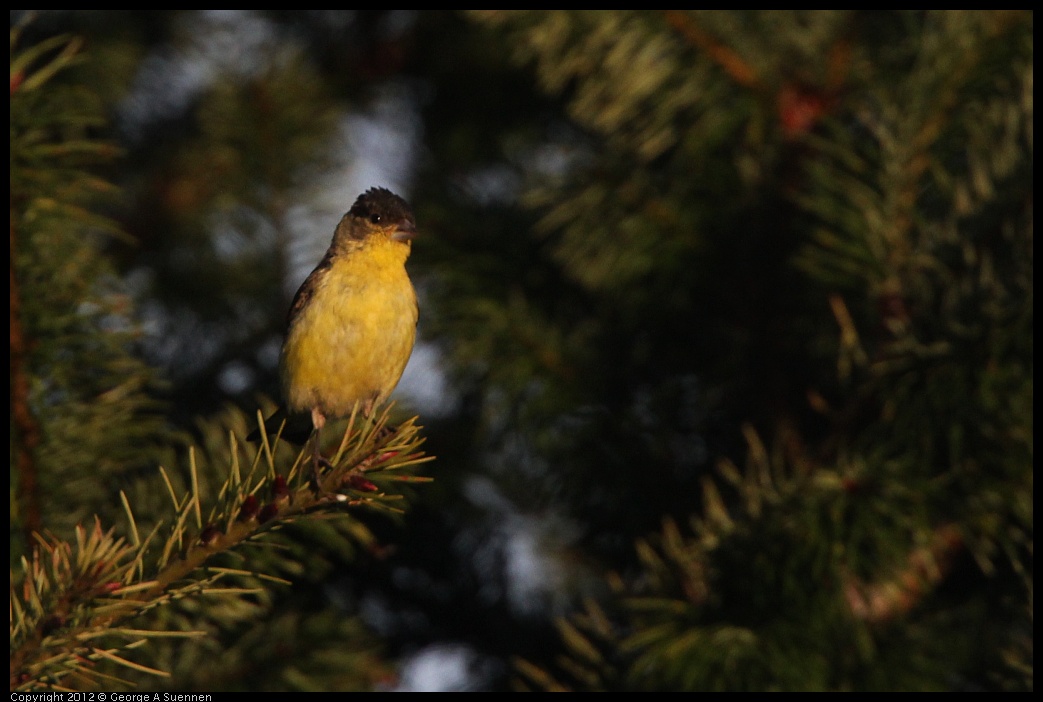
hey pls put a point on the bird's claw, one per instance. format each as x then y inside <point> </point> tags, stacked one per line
<point>316,476</point>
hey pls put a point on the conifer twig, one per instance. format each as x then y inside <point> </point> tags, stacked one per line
<point>71,596</point>
<point>28,428</point>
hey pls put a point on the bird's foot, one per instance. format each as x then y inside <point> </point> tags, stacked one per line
<point>318,463</point>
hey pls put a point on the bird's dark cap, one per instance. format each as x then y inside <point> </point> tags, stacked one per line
<point>380,205</point>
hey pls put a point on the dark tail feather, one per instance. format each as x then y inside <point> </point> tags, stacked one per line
<point>296,428</point>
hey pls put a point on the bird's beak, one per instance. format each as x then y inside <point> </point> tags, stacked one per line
<point>405,232</point>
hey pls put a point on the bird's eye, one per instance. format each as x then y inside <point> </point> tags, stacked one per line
<point>374,218</point>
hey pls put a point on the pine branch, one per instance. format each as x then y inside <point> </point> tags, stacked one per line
<point>730,61</point>
<point>675,627</point>
<point>925,568</point>
<point>31,69</point>
<point>21,412</point>
<point>72,596</point>
<point>80,403</point>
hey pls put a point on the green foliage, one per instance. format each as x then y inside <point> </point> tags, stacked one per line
<point>208,543</point>
<point>751,290</point>
<point>905,151</point>
<point>749,602</point>
<point>178,578</point>
<point>82,412</point>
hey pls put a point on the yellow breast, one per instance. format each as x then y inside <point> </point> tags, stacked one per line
<point>350,342</point>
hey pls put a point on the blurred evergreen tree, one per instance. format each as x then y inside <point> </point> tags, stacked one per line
<point>813,227</point>
<point>752,290</point>
<point>122,574</point>
<point>81,412</point>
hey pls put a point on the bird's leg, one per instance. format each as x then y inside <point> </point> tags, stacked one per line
<point>318,420</point>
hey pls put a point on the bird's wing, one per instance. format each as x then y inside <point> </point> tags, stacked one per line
<point>307,289</point>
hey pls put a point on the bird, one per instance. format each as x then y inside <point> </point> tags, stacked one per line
<point>352,323</point>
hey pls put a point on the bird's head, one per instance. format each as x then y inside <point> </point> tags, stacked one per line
<point>380,212</point>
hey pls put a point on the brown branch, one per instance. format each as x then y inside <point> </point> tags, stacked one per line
<point>926,566</point>
<point>26,425</point>
<point>740,71</point>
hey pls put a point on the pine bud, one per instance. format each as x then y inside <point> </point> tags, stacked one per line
<point>357,482</point>
<point>249,509</point>
<point>280,490</point>
<point>268,512</point>
<point>209,535</point>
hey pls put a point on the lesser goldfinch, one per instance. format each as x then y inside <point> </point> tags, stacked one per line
<point>352,323</point>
